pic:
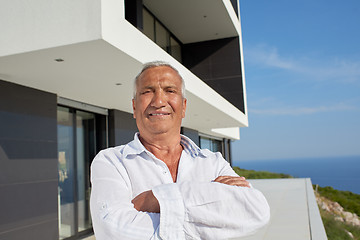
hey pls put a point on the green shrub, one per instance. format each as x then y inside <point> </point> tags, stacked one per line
<point>252,174</point>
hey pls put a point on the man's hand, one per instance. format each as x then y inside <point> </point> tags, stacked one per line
<point>146,202</point>
<point>234,181</point>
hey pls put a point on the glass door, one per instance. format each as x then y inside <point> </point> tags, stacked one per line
<point>85,149</point>
<point>76,149</point>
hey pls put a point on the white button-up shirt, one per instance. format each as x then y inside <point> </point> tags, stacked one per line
<point>194,207</point>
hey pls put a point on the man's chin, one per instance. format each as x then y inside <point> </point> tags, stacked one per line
<point>161,127</point>
<point>158,131</point>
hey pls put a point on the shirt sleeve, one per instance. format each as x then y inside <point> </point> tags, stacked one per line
<point>210,210</point>
<point>113,214</point>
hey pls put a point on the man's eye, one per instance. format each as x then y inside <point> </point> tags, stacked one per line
<point>145,92</point>
<point>171,91</point>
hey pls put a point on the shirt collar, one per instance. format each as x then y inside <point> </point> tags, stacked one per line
<point>190,147</point>
<point>136,147</point>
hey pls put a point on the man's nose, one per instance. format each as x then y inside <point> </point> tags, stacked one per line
<point>159,99</point>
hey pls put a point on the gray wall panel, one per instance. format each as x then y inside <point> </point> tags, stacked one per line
<point>122,127</point>
<point>28,163</point>
<point>42,230</point>
<point>27,202</point>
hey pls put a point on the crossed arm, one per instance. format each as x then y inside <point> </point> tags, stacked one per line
<point>147,202</point>
<point>190,209</point>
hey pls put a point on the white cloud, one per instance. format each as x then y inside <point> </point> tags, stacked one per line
<point>333,69</point>
<point>339,70</point>
<point>268,56</point>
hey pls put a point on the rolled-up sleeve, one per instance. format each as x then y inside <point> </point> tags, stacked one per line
<point>171,211</point>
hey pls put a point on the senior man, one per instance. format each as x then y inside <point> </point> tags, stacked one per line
<point>161,185</point>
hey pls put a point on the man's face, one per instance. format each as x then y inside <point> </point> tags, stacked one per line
<point>159,106</point>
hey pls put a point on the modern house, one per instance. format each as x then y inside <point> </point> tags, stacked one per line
<point>66,78</point>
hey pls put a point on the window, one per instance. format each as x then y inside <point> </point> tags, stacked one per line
<point>175,49</point>
<point>148,25</point>
<point>161,36</point>
<point>158,33</point>
<point>213,145</point>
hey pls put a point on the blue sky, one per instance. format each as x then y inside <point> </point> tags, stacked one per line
<point>302,71</point>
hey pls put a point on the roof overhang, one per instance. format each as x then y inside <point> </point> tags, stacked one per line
<point>196,21</point>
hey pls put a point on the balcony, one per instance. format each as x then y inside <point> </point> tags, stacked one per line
<point>294,211</point>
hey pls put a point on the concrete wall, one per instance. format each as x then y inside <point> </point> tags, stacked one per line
<point>28,163</point>
<point>32,25</point>
<point>235,4</point>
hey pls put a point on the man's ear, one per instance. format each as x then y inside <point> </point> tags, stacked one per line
<point>184,107</point>
<point>133,105</point>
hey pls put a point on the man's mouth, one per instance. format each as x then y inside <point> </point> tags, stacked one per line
<point>159,114</point>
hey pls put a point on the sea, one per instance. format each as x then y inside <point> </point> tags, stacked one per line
<point>341,173</point>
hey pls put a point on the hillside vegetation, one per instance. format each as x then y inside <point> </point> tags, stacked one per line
<point>348,200</point>
<point>252,174</point>
<point>338,230</point>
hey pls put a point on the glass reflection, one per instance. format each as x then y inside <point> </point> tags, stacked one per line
<point>85,143</point>
<point>212,144</point>
<point>161,36</point>
<point>175,49</point>
<point>148,25</point>
<point>66,173</point>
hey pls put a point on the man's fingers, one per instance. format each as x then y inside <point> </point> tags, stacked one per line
<point>234,181</point>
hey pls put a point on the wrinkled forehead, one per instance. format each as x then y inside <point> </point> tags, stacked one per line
<point>159,75</point>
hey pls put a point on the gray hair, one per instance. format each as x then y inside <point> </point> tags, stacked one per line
<point>153,64</point>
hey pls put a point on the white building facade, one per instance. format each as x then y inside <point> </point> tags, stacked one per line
<point>66,79</point>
